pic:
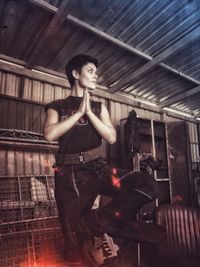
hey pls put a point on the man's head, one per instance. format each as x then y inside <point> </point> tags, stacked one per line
<point>82,68</point>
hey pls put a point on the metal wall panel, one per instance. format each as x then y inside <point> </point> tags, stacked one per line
<point>9,84</point>
<point>17,162</point>
<point>194,142</point>
<point>16,114</point>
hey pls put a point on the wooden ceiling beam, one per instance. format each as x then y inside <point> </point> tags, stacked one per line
<point>158,61</point>
<point>52,28</point>
<point>152,62</point>
<point>48,7</point>
<point>20,70</point>
<point>92,29</point>
<point>119,98</point>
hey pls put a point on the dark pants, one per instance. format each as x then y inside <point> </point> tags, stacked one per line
<point>77,186</point>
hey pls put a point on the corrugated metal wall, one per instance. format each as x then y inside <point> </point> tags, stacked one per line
<point>194,142</point>
<point>17,162</point>
<point>26,174</point>
<point>28,112</point>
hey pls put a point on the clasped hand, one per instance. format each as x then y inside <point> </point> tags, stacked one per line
<point>85,106</point>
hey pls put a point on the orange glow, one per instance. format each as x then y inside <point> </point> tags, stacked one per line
<point>47,163</point>
<point>117,214</point>
<point>115,179</point>
<point>114,171</point>
<point>56,169</point>
<point>177,199</point>
<point>49,256</point>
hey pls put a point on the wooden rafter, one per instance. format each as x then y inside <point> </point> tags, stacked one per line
<point>158,60</point>
<point>152,62</point>
<point>52,28</point>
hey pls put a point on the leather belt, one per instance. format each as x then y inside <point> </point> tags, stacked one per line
<point>78,158</point>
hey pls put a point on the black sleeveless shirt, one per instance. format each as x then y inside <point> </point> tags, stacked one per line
<point>82,136</point>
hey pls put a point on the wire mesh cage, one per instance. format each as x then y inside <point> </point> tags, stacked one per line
<point>29,227</point>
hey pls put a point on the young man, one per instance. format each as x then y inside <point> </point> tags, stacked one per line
<point>79,125</point>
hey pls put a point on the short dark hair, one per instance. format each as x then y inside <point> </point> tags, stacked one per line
<point>76,63</point>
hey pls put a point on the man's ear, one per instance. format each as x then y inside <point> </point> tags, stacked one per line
<point>75,74</point>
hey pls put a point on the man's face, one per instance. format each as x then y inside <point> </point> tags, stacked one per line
<point>88,77</point>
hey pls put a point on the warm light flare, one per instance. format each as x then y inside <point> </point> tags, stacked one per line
<point>177,199</point>
<point>47,163</point>
<point>115,180</point>
<point>117,214</point>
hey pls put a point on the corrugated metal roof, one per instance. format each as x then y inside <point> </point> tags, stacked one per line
<point>149,49</point>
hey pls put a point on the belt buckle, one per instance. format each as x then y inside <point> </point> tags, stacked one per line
<point>81,157</point>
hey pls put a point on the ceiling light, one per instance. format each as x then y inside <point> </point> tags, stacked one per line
<point>54,76</point>
<point>10,63</point>
<point>178,112</point>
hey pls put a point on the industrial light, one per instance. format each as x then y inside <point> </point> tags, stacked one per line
<point>146,102</point>
<point>45,73</point>
<point>178,112</point>
<point>10,63</point>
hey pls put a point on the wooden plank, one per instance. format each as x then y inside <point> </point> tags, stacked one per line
<point>10,84</point>
<point>27,88</point>
<point>12,115</point>
<point>25,146</point>
<point>36,163</point>
<point>37,90</point>
<point>42,119</point>
<point>19,158</point>
<point>26,116</point>
<point>29,117</point>
<point>3,169</point>
<point>58,92</point>
<point>51,160</point>
<point>3,83</point>
<point>41,165</point>
<point>11,163</point>
<point>39,69</point>
<point>48,93</point>
<point>35,126</point>
<point>4,113</point>
<point>28,163</point>
<point>17,85</point>
<point>20,115</point>
<point>21,86</point>
<point>33,74</point>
